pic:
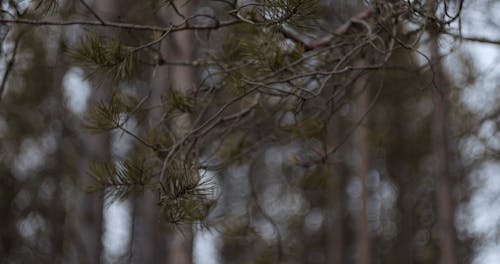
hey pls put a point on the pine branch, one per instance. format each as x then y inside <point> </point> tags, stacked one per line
<point>110,56</point>
<point>185,196</point>
<point>138,27</point>
<point>119,180</point>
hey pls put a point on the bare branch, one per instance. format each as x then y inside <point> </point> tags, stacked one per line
<point>10,65</point>
<point>92,11</point>
<point>473,39</point>
<point>181,27</point>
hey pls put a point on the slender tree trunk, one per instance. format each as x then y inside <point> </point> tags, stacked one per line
<point>149,233</point>
<point>8,229</point>
<point>405,202</point>
<point>150,245</point>
<point>362,170</point>
<point>58,213</point>
<point>399,160</point>
<point>182,80</point>
<point>440,137</point>
<point>335,246</point>
<point>444,180</point>
<point>90,206</point>
<point>335,227</point>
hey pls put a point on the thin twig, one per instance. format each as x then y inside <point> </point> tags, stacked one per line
<point>180,27</point>
<point>9,66</point>
<point>353,128</point>
<point>253,193</point>
<point>92,12</point>
<point>473,39</point>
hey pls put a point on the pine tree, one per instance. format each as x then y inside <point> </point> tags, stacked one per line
<point>255,120</point>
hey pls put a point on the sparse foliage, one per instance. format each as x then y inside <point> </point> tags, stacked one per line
<point>272,92</point>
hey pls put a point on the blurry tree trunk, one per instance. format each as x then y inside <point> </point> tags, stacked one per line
<point>88,224</point>
<point>149,234</point>
<point>441,151</point>
<point>362,169</point>
<point>8,230</point>
<point>58,214</point>
<point>58,209</point>
<point>398,167</point>
<point>90,206</point>
<point>335,246</point>
<point>182,81</point>
<point>336,228</point>
<point>440,138</point>
<point>444,181</point>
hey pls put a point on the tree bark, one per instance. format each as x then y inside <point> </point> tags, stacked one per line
<point>58,212</point>
<point>182,81</point>
<point>441,148</point>
<point>444,180</point>
<point>90,206</point>
<point>362,170</point>
<point>149,233</point>
<point>335,244</point>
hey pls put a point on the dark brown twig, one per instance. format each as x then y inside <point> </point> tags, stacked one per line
<point>92,12</point>
<point>181,27</point>
<point>10,65</point>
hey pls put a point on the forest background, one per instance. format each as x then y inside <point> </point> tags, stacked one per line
<point>266,131</point>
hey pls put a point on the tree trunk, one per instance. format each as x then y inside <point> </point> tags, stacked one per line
<point>444,181</point>
<point>362,170</point>
<point>149,233</point>
<point>182,80</point>
<point>440,137</point>
<point>335,246</point>
<point>88,223</point>
<point>90,206</point>
<point>58,211</point>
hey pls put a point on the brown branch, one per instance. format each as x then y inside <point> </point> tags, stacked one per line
<point>353,128</point>
<point>10,65</point>
<point>154,42</point>
<point>253,192</point>
<point>92,11</point>
<point>473,39</point>
<point>397,9</point>
<point>202,129</point>
<point>181,27</point>
<point>316,43</point>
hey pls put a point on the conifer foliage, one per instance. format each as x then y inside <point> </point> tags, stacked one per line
<point>275,97</point>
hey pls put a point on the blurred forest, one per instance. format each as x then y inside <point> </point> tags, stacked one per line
<point>249,131</point>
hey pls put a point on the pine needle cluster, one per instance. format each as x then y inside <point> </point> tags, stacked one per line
<point>107,57</point>
<point>119,180</point>
<point>185,197</point>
